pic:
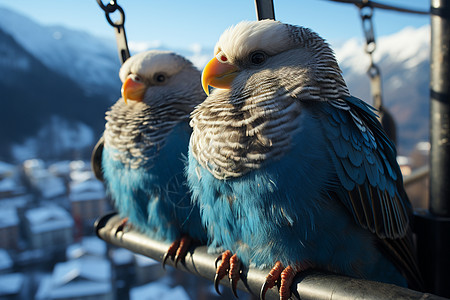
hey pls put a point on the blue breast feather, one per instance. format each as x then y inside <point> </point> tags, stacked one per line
<point>156,199</point>
<point>285,210</point>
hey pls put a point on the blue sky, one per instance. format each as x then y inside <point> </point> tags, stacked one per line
<point>180,23</point>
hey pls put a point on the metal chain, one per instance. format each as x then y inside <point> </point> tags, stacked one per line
<point>119,29</point>
<point>366,13</point>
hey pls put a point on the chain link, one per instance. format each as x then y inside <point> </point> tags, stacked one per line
<point>366,13</point>
<point>121,39</point>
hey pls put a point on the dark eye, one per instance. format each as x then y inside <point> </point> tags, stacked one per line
<point>160,78</point>
<point>258,57</point>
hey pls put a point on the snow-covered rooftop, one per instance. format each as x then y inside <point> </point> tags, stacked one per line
<point>158,290</point>
<point>90,245</point>
<point>33,164</point>
<point>5,260</point>
<point>11,283</point>
<point>90,185</point>
<point>51,187</point>
<point>8,217</point>
<point>85,268</point>
<point>77,165</point>
<point>122,256</point>
<point>6,169</point>
<point>60,168</point>
<point>47,218</point>
<point>80,175</point>
<point>19,201</point>
<point>9,184</point>
<point>144,261</point>
<point>86,190</point>
<point>49,289</point>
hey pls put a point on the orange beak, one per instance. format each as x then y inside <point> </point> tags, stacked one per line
<point>133,90</point>
<point>218,74</point>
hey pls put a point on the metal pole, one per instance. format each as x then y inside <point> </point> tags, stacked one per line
<point>264,9</point>
<point>433,226</point>
<point>440,108</point>
<point>308,285</point>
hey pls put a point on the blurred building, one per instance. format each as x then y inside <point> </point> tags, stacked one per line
<point>159,290</point>
<point>6,170</point>
<point>9,228</point>
<point>147,269</point>
<point>49,227</point>
<point>13,287</point>
<point>10,185</point>
<point>123,266</point>
<point>85,278</point>
<point>418,192</point>
<point>6,263</point>
<point>87,200</point>
<point>19,205</point>
<point>43,182</point>
<point>89,246</point>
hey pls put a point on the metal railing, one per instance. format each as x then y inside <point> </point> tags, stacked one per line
<point>311,285</point>
<point>416,175</point>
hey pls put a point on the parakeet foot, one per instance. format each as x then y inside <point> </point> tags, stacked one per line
<point>177,251</point>
<point>123,224</point>
<point>234,273</point>
<point>283,277</point>
<point>230,265</point>
<point>271,279</point>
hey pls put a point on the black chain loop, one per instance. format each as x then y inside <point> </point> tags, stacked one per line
<point>121,39</point>
<point>366,13</point>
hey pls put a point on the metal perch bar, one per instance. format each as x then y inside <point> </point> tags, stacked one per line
<point>310,285</point>
<point>416,175</point>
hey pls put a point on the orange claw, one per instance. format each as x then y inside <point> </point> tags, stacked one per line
<point>284,277</point>
<point>287,276</point>
<point>177,251</point>
<point>271,279</point>
<point>170,252</point>
<point>122,225</point>
<point>185,242</point>
<point>222,269</point>
<point>234,273</point>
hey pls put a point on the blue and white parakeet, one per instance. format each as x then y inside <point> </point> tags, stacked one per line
<point>290,170</point>
<point>145,147</point>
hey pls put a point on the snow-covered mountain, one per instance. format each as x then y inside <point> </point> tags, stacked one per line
<point>403,59</point>
<point>44,113</point>
<point>91,63</point>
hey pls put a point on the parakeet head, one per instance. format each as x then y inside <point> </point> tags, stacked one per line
<point>253,52</point>
<point>160,78</point>
<point>160,89</point>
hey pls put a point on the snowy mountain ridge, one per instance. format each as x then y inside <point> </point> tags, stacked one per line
<point>90,61</point>
<point>409,47</point>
